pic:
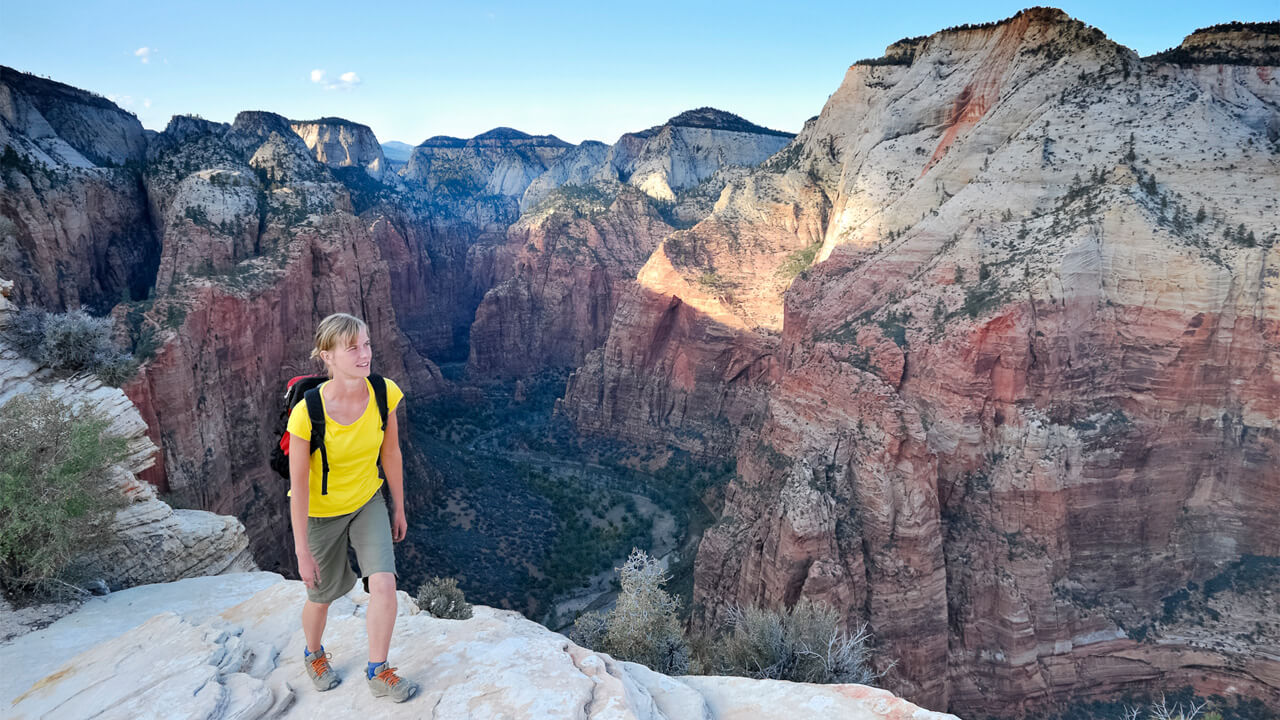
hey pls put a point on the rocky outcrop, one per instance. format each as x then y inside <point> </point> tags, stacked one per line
<point>342,143</point>
<point>1234,43</point>
<point>688,149</point>
<point>219,659</point>
<point>499,162</point>
<point>69,188</point>
<point>578,166</point>
<point>154,542</point>
<point>58,125</point>
<point>997,332</point>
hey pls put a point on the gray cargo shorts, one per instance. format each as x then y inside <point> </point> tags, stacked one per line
<point>368,530</point>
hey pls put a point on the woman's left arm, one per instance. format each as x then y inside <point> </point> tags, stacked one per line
<point>393,467</point>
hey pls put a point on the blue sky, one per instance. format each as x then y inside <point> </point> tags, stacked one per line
<point>579,70</point>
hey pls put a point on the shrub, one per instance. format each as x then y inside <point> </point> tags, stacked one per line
<point>72,342</point>
<point>803,645</point>
<point>26,331</point>
<point>444,599</point>
<point>55,498</point>
<point>588,629</point>
<point>643,626</point>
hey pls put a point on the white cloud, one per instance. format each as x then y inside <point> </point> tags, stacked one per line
<point>345,81</point>
<point>146,103</point>
<point>144,54</point>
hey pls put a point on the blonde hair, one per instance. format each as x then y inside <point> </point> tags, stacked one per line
<point>337,328</point>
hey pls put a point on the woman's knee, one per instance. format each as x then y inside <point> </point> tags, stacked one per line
<point>382,582</point>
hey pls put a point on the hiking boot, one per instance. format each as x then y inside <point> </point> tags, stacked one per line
<point>322,676</point>
<point>385,683</point>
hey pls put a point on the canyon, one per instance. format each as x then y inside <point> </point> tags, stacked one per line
<point>992,343</point>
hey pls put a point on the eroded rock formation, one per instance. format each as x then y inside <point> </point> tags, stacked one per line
<point>154,542</point>
<point>1022,385</point>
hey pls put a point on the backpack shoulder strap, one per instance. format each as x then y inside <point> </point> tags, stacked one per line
<point>315,411</point>
<point>379,384</point>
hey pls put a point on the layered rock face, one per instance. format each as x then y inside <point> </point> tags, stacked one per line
<point>341,143</point>
<point>1025,390</point>
<point>69,188</point>
<point>1230,44</point>
<point>575,252</point>
<point>234,657</point>
<point>579,166</point>
<point>698,332</point>
<point>575,256</point>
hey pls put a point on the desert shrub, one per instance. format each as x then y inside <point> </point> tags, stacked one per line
<point>643,626</point>
<point>444,599</point>
<point>588,629</point>
<point>72,342</point>
<point>803,645</point>
<point>26,331</point>
<point>56,501</point>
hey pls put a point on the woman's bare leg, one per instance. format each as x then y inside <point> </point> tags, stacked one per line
<point>314,617</point>
<point>380,619</point>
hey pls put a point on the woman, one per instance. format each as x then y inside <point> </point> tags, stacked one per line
<point>347,506</point>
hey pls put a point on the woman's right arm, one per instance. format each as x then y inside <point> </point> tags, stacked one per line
<point>299,507</point>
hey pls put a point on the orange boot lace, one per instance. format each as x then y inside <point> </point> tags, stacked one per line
<point>320,663</point>
<point>388,675</point>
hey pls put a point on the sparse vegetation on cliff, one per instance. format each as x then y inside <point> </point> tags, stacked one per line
<point>803,644</point>
<point>1175,704</point>
<point>56,500</point>
<point>589,201</point>
<point>443,599</point>
<point>799,261</point>
<point>72,342</point>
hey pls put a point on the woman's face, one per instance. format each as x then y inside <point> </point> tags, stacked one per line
<point>350,357</point>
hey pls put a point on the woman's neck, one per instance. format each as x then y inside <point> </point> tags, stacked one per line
<point>346,387</point>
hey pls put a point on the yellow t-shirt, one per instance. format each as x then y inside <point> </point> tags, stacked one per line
<point>353,455</point>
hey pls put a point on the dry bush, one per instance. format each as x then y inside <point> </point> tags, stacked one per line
<point>803,645</point>
<point>643,626</point>
<point>444,599</point>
